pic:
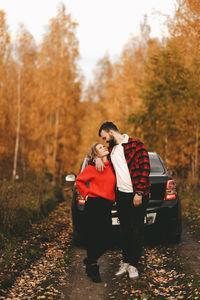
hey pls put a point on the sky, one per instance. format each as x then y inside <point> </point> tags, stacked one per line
<point>105,26</point>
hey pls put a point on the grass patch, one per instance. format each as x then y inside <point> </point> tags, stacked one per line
<point>24,253</point>
<point>191,210</point>
<point>23,203</point>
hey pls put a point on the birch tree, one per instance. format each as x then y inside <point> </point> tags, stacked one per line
<point>25,52</point>
<point>5,49</point>
<point>58,97</point>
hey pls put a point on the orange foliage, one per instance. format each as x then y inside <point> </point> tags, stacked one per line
<point>40,98</point>
<point>40,95</point>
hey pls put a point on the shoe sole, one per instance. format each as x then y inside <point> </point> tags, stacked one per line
<point>96,281</point>
<point>119,275</point>
<point>136,277</point>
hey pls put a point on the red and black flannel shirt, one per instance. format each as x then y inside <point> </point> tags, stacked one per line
<point>137,159</point>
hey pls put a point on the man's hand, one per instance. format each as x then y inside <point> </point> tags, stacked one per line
<point>99,164</point>
<point>137,200</point>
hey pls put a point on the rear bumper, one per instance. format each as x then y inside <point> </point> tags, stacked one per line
<point>164,213</point>
<point>168,216</point>
<point>164,218</point>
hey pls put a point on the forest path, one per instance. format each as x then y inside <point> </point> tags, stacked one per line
<point>81,286</point>
<point>167,271</point>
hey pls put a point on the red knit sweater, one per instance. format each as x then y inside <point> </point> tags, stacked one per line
<point>100,184</point>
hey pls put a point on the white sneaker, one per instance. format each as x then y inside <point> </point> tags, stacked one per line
<point>122,269</point>
<point>132,272</point>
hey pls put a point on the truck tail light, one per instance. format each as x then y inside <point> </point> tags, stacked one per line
<point>171,191</point>
<point>81,201</point>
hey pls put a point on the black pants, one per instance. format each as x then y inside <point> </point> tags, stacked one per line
<point>98,227</point>
<point>131,226</point>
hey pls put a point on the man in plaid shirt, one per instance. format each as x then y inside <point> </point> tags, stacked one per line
<point>130,161</point>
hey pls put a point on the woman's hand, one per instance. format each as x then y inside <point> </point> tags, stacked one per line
<point>99,164</point>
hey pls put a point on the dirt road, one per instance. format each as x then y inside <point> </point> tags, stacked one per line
<point>81,287</point>
<point>167,271</point>
<point>189,249</point>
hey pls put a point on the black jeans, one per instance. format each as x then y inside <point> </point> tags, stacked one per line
<point>98,227</point>
<point>131,226</point>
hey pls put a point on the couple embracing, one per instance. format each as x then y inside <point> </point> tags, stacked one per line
<point>118,173</point>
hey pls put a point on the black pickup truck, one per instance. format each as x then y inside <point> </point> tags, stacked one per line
<point>163,214</point>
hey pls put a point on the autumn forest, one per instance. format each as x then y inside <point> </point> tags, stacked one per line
<point>48,119</point>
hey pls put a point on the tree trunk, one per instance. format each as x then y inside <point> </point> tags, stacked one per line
<point>55,144</point>
<point>196,159</point>
<point>48,137</point>
<point>57,109</point>
<point>23,158</point>
<point>18,125</point>
<point>166,149</point>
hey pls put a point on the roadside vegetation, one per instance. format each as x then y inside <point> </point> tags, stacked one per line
<point>191,210</point>
<point>29,265</point>
<point>22,205</point>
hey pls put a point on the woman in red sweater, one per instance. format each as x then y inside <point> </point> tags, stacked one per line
<point>99,196</point>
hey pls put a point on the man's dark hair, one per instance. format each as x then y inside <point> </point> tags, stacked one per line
<point>107,126</point>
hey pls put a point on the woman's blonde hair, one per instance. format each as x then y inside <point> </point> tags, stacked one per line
<point>92,152</point>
